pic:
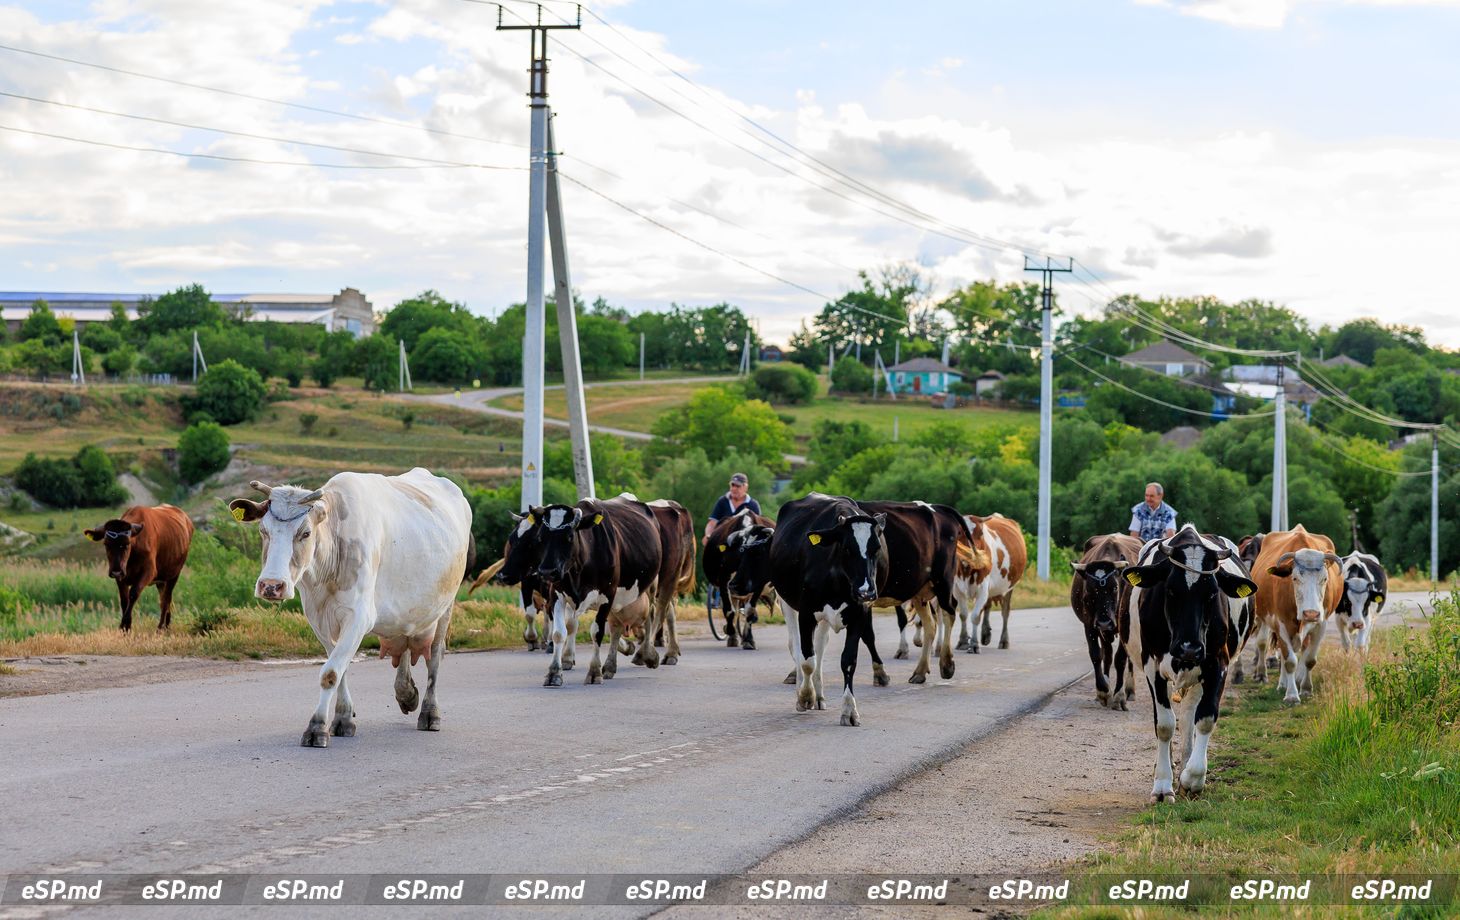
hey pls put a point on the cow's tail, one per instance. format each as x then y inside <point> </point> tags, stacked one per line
<point>686,583</point>
<point>486,575</point>
<point>471,557</point>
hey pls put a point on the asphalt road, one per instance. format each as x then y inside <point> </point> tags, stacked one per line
<point>700,767</point>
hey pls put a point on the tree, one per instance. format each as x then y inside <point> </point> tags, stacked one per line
<point>1079,441</point>
<point>40,358</point>
<point>120,361</point>
<point>833,443</point>
<point>97,478</point>
<point>1403,524</point>
<point>413,317</point>
<point>100,337</point>
<point>783,383</point>
<point>185,309</point>
<point>849,375</point>
<point>377,358</point>
<point>696,481</point>
<point>717,422</point>
<point>616,467</point>
<point>230,393</point>
<point>441,355</point>
<point>1361,339</point>
<point>988,316</point>
<point>202,450</point>
<point>41,325</point>
<point>87,480</point>
<point>168,353</point>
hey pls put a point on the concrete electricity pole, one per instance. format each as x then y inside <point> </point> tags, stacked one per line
<point>1435,507</point>
<point>78,367</point>
<point>533,340</point>
<point>1279,519</point>
<point>1046,402</point>
<point>567,327</point>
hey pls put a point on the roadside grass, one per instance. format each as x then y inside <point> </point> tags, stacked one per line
<point>1414,580</point>
<point>1363,779</point>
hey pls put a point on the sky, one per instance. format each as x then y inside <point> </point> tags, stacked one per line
<point>1305,152</point>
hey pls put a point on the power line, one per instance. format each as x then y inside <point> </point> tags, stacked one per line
<point>390,122</point>
<point>1169,405</point>
<point>238,159</point>
<point>260,137</point>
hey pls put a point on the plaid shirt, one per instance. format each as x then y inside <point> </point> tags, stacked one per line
<point>1152,525</point>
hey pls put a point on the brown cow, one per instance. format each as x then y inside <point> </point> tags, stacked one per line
<point>145,546</point>
<point>1003,540</point>
<point>1094,595</point>
<point>1298,586</point>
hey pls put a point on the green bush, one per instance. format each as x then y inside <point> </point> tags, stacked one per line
<point>202,451</point>
<point>87,480</point>
<point>1421,688</point>
<point>230,393</point>
<point>851,376</point>
<point>783,383</point>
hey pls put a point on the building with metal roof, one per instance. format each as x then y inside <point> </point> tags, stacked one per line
<point>347,311</point>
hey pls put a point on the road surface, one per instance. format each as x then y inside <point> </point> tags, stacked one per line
<point>700,767</point>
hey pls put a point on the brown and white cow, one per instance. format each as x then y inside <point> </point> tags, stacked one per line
<point>1002,541</point>
<point>1094,596</point>
<point>368,554</point>
<point>1299,584</point>
<point>145,546</point>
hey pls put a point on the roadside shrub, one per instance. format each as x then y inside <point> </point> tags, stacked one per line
<point>783,383</point>
<point>98,477</point>
<point>851,376</point>
<point>1421,687</point>
<point>307,420</point>
<point>202,451</point>
<point>230,393</point>
<point>208,619</point>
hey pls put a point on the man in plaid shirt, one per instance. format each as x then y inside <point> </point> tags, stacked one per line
<point>1153,519</point>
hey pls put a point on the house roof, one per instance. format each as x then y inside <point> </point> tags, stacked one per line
<point>925,365</point>
<point>1163,352</point>
<point>1342,361</point>
<point>991,375</point>
<point>1182,436</point>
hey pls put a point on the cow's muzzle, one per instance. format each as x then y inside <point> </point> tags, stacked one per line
<point>1312,616</point>
<point>1188,654</point>
<point>270,589</point>
<point>866,595</point>
<point>116,574</point>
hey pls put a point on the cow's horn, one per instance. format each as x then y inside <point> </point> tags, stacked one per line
<point>1078,566</point>
<point>577,516</point>
<point>1121,565</point>
<point>1330,557</point>
<point>258,486</point>
<point>314,496</point>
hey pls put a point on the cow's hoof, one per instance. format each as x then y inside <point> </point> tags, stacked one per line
<point>568,662</point>
<point>1120,704</point>
<point>901,652</point>
<point>880,678</point>
<point>850,716</point>
<point>1003,643</point>
<point>918,678</point>
<point>1102,697</point>
<point>532,645</point>
<point>1193,783</point>
<point>554,679</point>
<point>748,644</point>
<point>821,702</point>
<point>343,728</point>
<point>962,642</point>
<point>946,670</point>
<point>1292,700</point>
<point>593,677</point>
<point>609,671</point>
<point>790,679</point>
<point>918,640</point>
<point>429,720</point>
<point>408,704</point>
<point>802,704</point>
<point>973,648</point>
<point>1159,797</point>
<point>1239,678</point>
<point>670,659</point>
<point>732,640</point>
<point>315,736</point>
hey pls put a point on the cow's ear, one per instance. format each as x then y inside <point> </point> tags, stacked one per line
<point>1235,585</point>
<point>881,520</point>
<point>1141,576</point>
<point>246,512</point>
<point>1283,567</point>
<point>94,535</point>
<point>136,528</point>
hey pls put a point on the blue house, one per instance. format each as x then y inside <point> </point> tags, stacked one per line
<point>922,377</point>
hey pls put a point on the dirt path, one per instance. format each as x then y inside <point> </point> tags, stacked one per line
<point>137,490</point>
<point>1036,795</point>
<point>71,673</point>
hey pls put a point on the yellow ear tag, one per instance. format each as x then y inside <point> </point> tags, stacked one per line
<point>238,514</point>
<point>531,519</point>
<point>1243,590</point>
<point>1378,598</point>
<point>598,519</point>
<point>723,547</point>
<point>815,539</point>
<point>1133,578</point>
<point>93,538</point>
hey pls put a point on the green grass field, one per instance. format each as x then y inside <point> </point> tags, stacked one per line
<point>634,409</point>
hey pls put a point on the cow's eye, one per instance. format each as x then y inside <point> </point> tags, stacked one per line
<point>304,535</point>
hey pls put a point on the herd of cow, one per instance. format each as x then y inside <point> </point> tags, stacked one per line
<point>371,554</point>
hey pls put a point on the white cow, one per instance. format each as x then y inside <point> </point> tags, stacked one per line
<point>368,554</point>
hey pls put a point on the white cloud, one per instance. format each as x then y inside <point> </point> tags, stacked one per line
<point>1267,14</point>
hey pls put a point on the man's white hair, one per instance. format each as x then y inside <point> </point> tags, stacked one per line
<point>1157,487</point>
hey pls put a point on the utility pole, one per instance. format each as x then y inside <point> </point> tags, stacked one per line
<point>1046,401</point>
<point>1435,507</point>
<point>1280,455</point>
<point>641,356</point>
<point>403,372</point>
<point>78,368</point>
<point>198,357</point>
<point>534,338</point>
<point>567,326</point>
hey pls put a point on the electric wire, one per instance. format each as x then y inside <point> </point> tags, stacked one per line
<point>1157,400</point>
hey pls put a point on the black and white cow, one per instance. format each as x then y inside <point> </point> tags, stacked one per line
<point>742,532</point>
<point>828,561</point>
<point>1187,614</point>
<point>1365,587</point>
<point>601,557</point>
